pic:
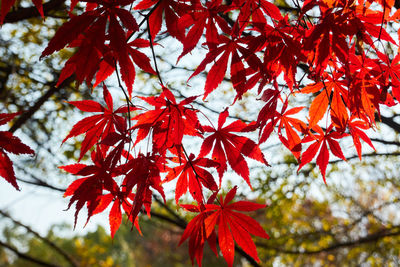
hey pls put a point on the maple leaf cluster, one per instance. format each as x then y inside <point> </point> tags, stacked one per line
<point>127,182</point>
<point>331,51</point>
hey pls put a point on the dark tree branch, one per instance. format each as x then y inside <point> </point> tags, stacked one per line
<point>389,121</point>
<point>180,224</point>
<point>369,155</point>
<point>37,181</point>
<point>31,111</point>
<point>371,238</point>
<point>42,183</point>
<point>178,218</point>
<point>45,240</point>
<point>385,142</point>
<point>25,256</point>
<point>31,12</point>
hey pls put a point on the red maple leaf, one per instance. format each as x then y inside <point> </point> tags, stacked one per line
<point>107,64</point>
<point>230,147</point>
<point>282,51</point>
<point>268,112</point>
<point>11,144</point>
<point>203,18</point>
<point>172,9</point>
<point>328,37</point>
<point>85,61</point>
<point>357,128</point>
<point>168,122</point>
<point>332,94</point>
<point>390,73</point>
<point>364,94</point>
<point>256,11</point>
<point>368,23</point>
<point>196,232</point>
<point>292,140</point>
<point>234,225</point>
<point>89,32</point>
<point>115,216</point>
<point>192,175</point>
<point>321,140</point>
<point>97,127</point>
<point>89,189</point>
<point>142,172</point>
<point>229,47</point>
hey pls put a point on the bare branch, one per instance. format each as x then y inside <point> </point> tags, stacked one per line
<point>45,240</point>
<point>370,238</point>
<point>28,114</point>
<point>25,256</point>
<point>31,12</point>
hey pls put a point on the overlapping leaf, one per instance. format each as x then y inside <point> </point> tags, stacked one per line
<point>292,140</point>
<point>203,18</point>
<point>142,172</point>
<point>89,189</point>
<point>172,10</point>
<point>89,32</point>
<point>97,127</point>
<point>192,175</point>
<point>220,55</point>
<point>233,225</point>
<point>168,122</point>
<point>10,144</point>
<point>196,232</point>
<point>321,139</point>
<point>229,147</point>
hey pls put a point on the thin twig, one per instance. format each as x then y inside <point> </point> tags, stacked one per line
<point>26,256</point>
<point>154,54</point>
<point>45,240</point>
